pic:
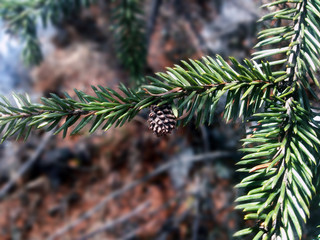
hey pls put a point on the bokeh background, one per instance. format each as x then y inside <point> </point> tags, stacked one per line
<point>125,183</point>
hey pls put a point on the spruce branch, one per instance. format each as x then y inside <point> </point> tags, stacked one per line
<point>130,36</point>
<point>282,153</point>
<point>298,41</point>
<point>282,150</point>
<point>192,92</point>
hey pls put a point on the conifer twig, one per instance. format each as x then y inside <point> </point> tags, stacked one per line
<point>26,166</point>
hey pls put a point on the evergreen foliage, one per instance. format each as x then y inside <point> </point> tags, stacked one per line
<point>281,150</point>
<point>130,36</point>
<point>194,92</point>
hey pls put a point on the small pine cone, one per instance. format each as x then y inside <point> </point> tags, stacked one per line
<point>161,120</point>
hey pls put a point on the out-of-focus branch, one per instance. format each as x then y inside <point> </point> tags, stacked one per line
<point>156,4</point>
<point>117,221</point>
<point>26,166</point>
<point>161,169</point>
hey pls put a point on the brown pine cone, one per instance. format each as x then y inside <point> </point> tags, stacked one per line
<point>161,120</point>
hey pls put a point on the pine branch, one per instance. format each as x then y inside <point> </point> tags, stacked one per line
<point>192,92</point>
<point>284,148</point>
<point>130,36</point>
<point>298,43</point>
<point>282,153</point>
<point>22,17</point>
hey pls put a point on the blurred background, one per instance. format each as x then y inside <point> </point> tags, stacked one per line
<point>125,183</point>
